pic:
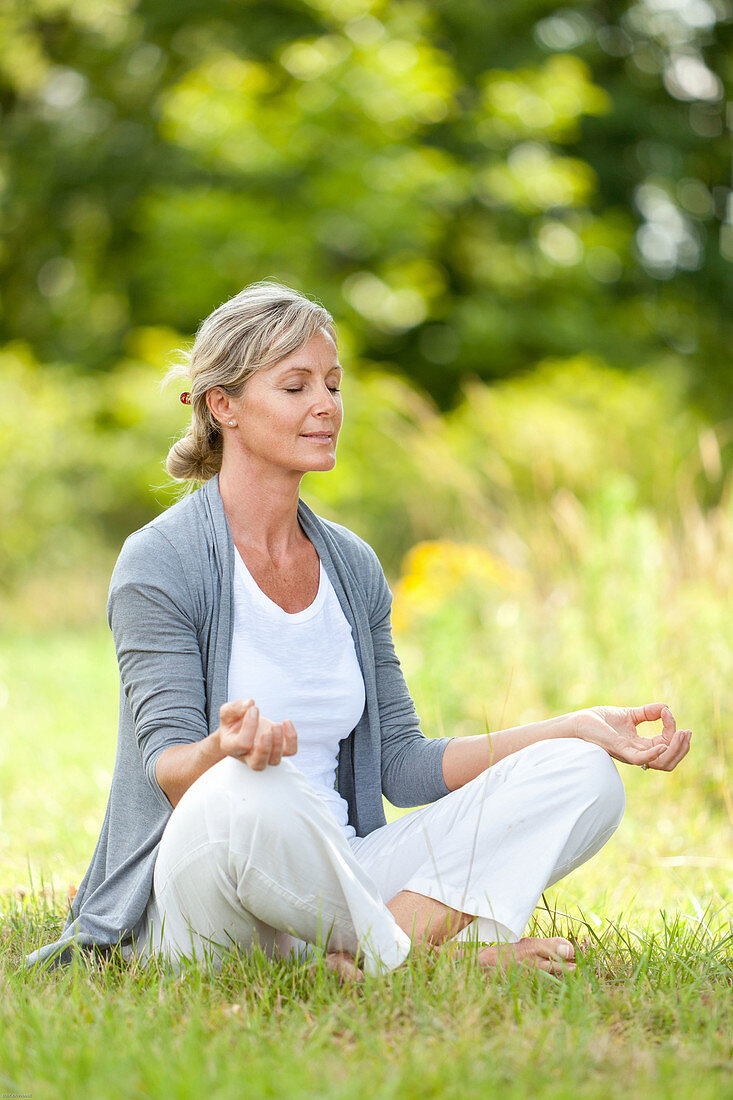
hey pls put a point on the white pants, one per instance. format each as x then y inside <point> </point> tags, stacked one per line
<point>256,857</point>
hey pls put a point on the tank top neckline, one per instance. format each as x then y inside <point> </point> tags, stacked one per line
<point>250,584</point>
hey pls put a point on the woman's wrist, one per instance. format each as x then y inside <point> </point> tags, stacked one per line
<point>210,750</point>
<point>575,723</point>
<point>563,725</point>
<point>585,725</point>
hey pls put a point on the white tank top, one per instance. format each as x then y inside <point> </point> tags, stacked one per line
<point>302,666</point>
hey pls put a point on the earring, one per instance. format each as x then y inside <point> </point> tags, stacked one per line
<point>232,423</point>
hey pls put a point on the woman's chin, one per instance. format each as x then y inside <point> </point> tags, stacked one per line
<point>326,463</point>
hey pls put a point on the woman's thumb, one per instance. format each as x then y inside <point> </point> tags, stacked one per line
<point>234,711</point>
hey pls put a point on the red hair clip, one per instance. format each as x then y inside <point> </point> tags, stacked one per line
<point>185,398</point>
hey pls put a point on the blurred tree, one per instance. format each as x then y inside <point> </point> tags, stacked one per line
<point>469,187</point>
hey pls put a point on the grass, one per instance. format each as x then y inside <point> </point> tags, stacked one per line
<point>649,1011</point>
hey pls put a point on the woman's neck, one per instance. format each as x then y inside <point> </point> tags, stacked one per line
<point>262,508</point>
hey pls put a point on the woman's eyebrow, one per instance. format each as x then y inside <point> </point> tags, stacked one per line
<point>307,370</point>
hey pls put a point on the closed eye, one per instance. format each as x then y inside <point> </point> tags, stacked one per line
<point>297,389</point>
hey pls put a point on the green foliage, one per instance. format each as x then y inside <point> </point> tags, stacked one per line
<point>469,188</point>
<point>83,462</point>
<point>561,449</point>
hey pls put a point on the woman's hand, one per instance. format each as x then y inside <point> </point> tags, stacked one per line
<point>614,729</point>
<point>255,740</point>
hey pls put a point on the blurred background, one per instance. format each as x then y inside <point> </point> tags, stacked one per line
<point>520,216</point>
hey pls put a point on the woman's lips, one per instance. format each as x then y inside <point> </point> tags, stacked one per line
<point>320,437</point>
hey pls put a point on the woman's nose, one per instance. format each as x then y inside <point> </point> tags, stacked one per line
<point>326,400</point>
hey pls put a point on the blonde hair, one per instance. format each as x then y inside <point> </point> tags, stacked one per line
<point>252,331</point>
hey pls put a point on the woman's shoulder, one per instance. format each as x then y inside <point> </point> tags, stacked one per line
<point>169,544</point>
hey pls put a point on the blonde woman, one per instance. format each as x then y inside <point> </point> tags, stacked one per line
<point>263,713</point>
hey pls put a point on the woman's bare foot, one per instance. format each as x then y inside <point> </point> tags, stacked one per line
<point>555,955</point>
<point>342,964</point>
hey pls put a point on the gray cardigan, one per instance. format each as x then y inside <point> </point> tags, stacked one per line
<point>170,610</point>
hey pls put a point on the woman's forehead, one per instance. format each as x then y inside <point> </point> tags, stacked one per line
<point>319,353</point>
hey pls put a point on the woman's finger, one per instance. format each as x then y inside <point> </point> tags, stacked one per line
<point>680,755</point>
<point>276,748</point>
<point>678,750</point>
<point>643,743</point>
<point>259,757</point>
<point>647,755</point>
<point>668,723</point>
<point>237,726</point>
<point>650,712</point>
<point>233,712</point>
<point>247,733</point>
<point>290,738</point>
<point>248,729</point>
<point>670,751</point>
<point>674,752</point>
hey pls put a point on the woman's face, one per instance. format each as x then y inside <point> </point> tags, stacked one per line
<point>290,415</point>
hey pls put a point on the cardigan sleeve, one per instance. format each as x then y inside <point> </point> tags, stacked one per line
<point>412,773</point>
<point>152,616</point>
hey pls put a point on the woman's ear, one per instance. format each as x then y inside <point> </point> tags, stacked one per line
<point>219,404</point>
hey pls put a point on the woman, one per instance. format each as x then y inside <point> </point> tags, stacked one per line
<point>249,630</point>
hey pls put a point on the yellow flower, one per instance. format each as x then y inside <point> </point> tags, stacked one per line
<point>433,572</point>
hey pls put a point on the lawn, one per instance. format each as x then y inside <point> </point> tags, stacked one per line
<point>648,1013</point>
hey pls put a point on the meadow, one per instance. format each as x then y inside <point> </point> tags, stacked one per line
<point>578,553</point>
<point>519,215</point>
<point>648,1012</point>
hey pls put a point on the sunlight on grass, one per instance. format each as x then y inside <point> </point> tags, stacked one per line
<point>648,1012</point>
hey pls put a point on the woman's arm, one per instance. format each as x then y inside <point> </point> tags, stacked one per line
<point>152,615</point>
<point>151,612</point>
<point>466,757</point>
<point>612,728</point>
<point>412,773</point>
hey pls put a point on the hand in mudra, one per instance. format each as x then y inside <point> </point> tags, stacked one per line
<point>614,729</point>
<point>257,741</point>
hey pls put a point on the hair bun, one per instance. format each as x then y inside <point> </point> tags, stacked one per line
<point>194,459</point>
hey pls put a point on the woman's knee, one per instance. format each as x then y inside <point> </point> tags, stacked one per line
<point>232,780</point>
<point>230,795</point>
<point>598,777</point>
<point>583,771</point>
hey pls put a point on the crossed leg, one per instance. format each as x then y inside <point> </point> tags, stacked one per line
<point>257,858</point>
